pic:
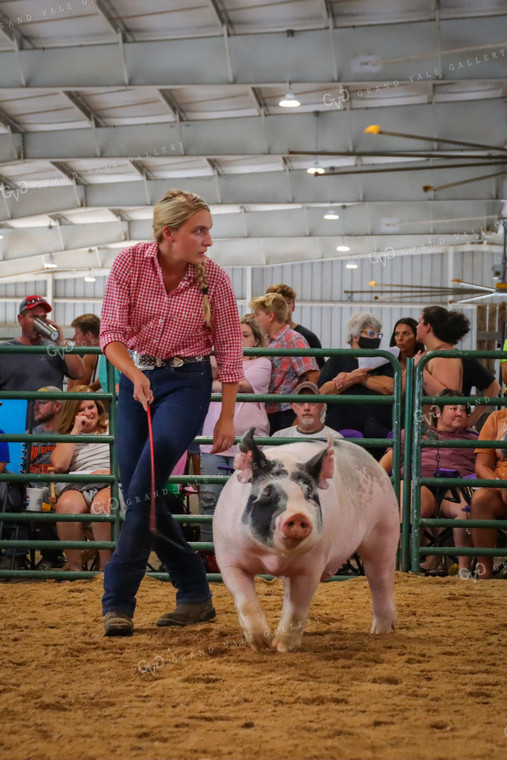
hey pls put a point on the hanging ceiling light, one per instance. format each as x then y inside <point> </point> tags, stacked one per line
<point>351,265</point>
<point>316,169</point>
<point>90,278</point>
<point>49,263</point>
<point>289,100</point>
<point>342,248</point>
<point>331,214</point>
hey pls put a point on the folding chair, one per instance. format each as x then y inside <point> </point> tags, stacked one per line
<point>445,535</point>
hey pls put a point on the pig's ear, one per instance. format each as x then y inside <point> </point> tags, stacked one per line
<point>321,466</point>
<point>243,465</point>
<point>258,462</point>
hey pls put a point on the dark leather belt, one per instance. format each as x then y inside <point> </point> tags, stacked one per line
<point>145,362</point>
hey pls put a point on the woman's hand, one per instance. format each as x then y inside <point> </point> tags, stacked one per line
<point>80,421</point>
<point>142,389</point>
<point>339,380</point>
<point>223,435</point>
<point>345,380</point>
<point>417,357</point>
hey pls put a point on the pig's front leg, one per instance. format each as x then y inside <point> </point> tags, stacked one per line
<point>251,616</point>
<point>298,594</point>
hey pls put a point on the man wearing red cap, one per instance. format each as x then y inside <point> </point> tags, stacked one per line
<point>27,372</point>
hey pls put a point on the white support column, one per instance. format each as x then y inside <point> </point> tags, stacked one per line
<point>248,285</point>
<point>450,268</point>
<point>49,287</point>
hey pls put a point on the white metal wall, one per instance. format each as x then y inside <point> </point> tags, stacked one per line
<point>322,305</point>
<point>327,281</point>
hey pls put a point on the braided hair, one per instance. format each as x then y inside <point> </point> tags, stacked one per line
<point>173,210</point>
<point>203,285</point>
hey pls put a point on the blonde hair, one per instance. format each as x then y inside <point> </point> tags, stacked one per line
<point>173,210</point>
<point>249,319</point>
<point>70,408</point>
<point>271,302</point>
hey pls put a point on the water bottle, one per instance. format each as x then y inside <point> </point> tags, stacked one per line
<point>46,329</point>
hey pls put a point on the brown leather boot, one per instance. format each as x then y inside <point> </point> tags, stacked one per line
<point>118,624</point>
<point>187,614</point>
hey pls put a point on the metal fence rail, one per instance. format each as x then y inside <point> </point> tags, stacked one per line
<point>414,477</point>
<point>407,415</point>
<point>114,518</point>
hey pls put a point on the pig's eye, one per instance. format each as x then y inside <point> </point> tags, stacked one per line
<point>268,492</point>
<point>307,490</point>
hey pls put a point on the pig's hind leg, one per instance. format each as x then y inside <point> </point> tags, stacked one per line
<point>298,594</point>
<point>378,554</point>
<point>251,617</point>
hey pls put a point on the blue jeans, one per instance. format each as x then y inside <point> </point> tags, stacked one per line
<point>209,492</point>
<point>181,399</point>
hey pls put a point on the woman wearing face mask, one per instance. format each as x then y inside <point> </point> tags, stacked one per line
<point>342,375</point>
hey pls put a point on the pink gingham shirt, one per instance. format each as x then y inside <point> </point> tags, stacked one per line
<point>288,370</point>
<point>139,312</point>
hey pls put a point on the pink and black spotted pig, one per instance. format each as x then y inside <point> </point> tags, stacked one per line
<point>300,511</point>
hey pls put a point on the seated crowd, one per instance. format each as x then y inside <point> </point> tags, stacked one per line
<point>270,325</point>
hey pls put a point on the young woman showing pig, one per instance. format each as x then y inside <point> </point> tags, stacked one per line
<point>166,306</point>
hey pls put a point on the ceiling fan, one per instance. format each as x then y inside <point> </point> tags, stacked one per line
<point>403,292</point>
<point>500,275</point>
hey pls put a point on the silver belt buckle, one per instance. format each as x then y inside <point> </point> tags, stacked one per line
<point>139,363</point>
<point>177,361</point>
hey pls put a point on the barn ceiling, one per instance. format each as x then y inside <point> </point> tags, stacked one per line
<point>105,104</point>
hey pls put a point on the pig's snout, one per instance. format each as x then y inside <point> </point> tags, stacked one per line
<point>296,527</point>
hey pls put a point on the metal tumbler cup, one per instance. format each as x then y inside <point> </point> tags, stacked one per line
<point>45,329</point>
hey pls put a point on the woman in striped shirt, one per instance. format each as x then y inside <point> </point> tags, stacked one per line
<point>82,417</point>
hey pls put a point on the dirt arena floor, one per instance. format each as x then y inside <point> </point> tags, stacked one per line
<point>433,690</point>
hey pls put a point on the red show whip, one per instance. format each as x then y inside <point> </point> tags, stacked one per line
<point>153,507</point>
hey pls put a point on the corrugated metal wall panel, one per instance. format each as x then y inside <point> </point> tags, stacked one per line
<point>327,281</point>
<point>78,287</point>
<point>314,282</point>
<point>238,279</point>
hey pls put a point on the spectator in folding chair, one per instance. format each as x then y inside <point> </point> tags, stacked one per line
<point>449,423</point>
<point>310,416</point>
<point>490,503</point>
<point>45,415</point>
<point>83,417</point>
